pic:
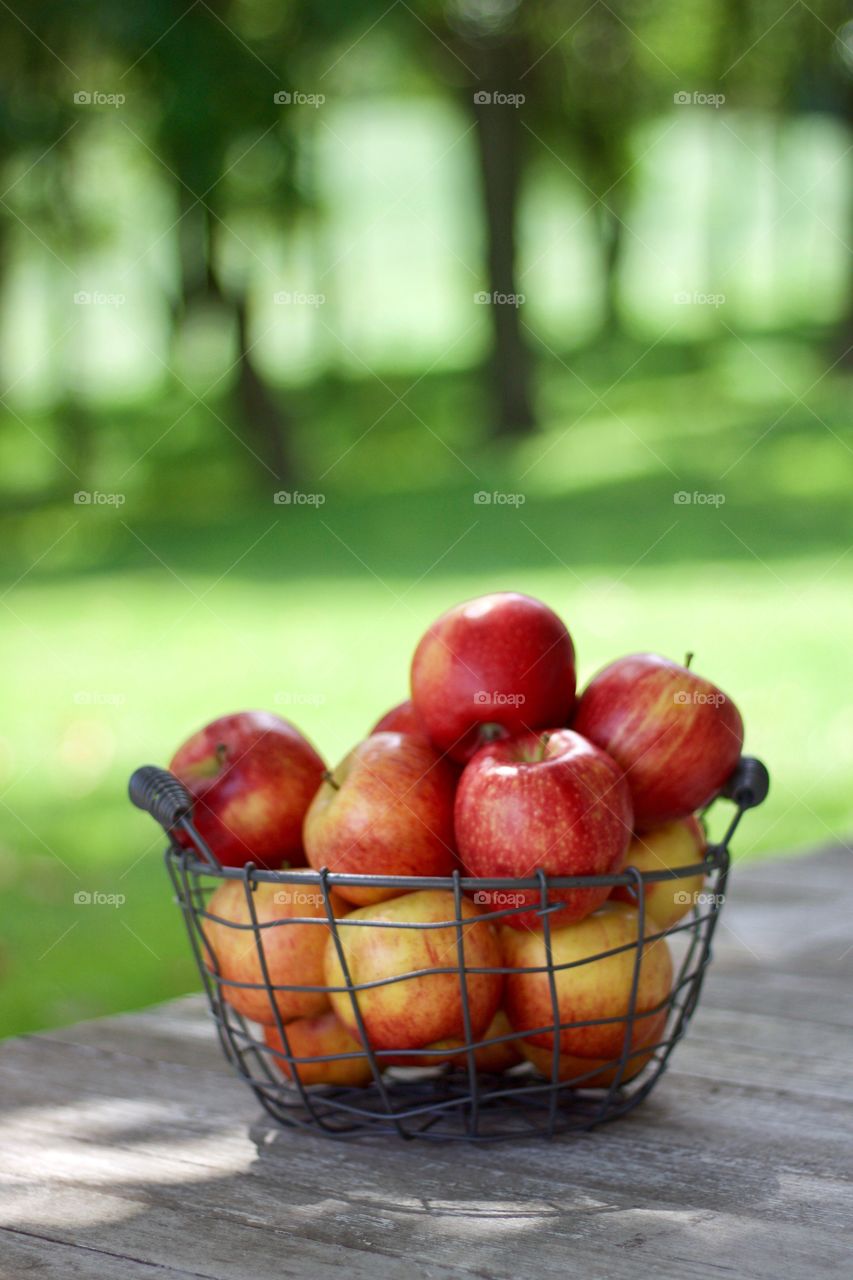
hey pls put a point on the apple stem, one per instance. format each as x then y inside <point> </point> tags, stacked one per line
<point>221,753</point>
<point>687,661</point>
<point>329,777</point>
<point>543,743</point>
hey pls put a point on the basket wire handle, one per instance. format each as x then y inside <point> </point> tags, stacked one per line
<point>158,792</point>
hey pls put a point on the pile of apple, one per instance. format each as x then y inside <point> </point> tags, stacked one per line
<point>495,767</point>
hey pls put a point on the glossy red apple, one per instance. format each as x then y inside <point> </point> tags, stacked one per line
<point>387,809</point>
<point>677,737</point>
<point>549,800</point>
<point>400,719</point>
<point>252,777</point>
<point>503,660</point>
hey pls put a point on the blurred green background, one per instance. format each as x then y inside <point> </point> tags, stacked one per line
<point>319,318</point>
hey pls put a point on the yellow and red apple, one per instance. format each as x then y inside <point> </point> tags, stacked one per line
<point>315,1039</point>
<point>387,809</point>
<point>293,951</point>
<point>593,990</point>
<point>416,1002</point>
<point>680,843</point>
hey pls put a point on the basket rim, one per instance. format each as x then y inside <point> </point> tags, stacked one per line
<point>716,859</point>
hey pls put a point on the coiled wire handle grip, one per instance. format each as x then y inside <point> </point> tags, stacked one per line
<point>158,792</point>
<point>748,784</point>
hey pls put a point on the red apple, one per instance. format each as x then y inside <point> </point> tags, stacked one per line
<point>676,844</point>
<point>252,777</point>
<point>501,660</point>
<point>593,989</point>
<point>424,1010</point>
<point>400,719</point>
<point>387,809</point>
<point>316,1039</point>
<point>543,800</point>
<point>293,952</point>
<point>677,737</point>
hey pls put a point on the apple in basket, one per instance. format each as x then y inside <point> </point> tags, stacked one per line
<point>387,809</point>
<point>676,844</point>
<point>676,735</point>
<point>384,943</point>
<point>588,989</point>
<point>251,777</point>
<point>542,800</point>
<point>293,951</point>
<point>503,660</point>
<point>315,1039</point>
<point>399,719</point>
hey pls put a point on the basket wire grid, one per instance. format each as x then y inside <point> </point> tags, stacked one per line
<point>446,1102</point>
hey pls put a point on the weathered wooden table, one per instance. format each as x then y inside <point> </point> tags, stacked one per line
<point>128,1149</point>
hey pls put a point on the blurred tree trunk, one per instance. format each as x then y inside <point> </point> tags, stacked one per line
<point>612,241</point>
<point>500,148</point>
<point>264,423</point>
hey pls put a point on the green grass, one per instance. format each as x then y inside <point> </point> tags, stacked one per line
<point>122,640</point>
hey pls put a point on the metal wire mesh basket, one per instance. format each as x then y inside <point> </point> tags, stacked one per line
<point>419,1093</point>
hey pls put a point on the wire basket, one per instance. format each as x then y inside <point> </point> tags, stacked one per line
<point>455,1099</point>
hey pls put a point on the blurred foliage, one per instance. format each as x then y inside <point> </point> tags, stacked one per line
<point>242,245</point>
